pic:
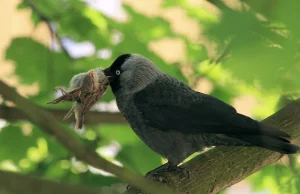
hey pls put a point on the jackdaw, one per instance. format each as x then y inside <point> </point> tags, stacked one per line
<point>175,121</point>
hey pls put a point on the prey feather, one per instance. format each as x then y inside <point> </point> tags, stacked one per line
<point>85,90</point>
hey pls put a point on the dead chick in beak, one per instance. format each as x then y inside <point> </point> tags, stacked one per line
<point>85,90</point>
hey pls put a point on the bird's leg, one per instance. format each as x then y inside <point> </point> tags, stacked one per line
<point>81,98</point>
<point>69,114</point>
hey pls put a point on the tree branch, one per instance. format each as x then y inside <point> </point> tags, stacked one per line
<point>222,167</point>
<point>47,122</point>
<point>12,183</point>
<point>92,117</point>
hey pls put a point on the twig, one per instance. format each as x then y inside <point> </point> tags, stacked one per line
<point>92,117</point>
<point>225,52</point>
<point>48,22</point>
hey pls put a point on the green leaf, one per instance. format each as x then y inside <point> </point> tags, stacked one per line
<point>35,18</point>
<point>60,171</point>
<point>123,134</point>
<point>156,27</point>
<point>276,178</point>
<point>82,28</point>
<point>22,5</point>
<point>139,157</point>
<point>134,153</point>
<point>258,54</point>
<point>288,13</point>
<point>35,63</point>
<point>14,144</point>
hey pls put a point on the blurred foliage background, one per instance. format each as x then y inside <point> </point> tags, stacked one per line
<point>243,52</point>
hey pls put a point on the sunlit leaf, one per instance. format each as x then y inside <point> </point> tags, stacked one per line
<point>14,144</point>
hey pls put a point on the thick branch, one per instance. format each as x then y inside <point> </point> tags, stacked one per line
<point>222,167</point>
<point>92,117</point>
<point>12,183</point>
<point>47,122</point>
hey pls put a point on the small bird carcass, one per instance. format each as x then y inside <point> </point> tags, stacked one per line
<point>85,90</point>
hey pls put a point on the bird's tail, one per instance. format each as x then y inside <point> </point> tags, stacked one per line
<point>277,144</point>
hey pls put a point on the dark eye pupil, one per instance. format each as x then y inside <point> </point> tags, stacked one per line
<point>118,72</point>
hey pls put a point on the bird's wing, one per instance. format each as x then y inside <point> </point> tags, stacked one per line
<point>168,104</point>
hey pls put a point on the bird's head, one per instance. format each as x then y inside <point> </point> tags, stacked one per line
<point>98,78</point>
<point>131,73</point>
<point>93,78</point>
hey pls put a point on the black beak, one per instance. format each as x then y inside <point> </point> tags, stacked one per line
<point>109,74</point>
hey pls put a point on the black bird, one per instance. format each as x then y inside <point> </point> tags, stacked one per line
<point>175,121</point>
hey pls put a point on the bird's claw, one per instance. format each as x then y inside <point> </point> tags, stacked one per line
<point>156,176</point>
<point>159,178</point>
<point>183,171</point>
<point>179,169</point>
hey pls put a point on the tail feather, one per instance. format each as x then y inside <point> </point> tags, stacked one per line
<point>277,144</point>
<point>271,131</point>
<point>270,138</point>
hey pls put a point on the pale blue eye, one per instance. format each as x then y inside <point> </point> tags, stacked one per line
<point>118,72</point>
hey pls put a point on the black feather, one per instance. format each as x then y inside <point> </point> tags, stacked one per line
<point>276,144</point>
<point>184,110</point>
<point>176,107</point>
